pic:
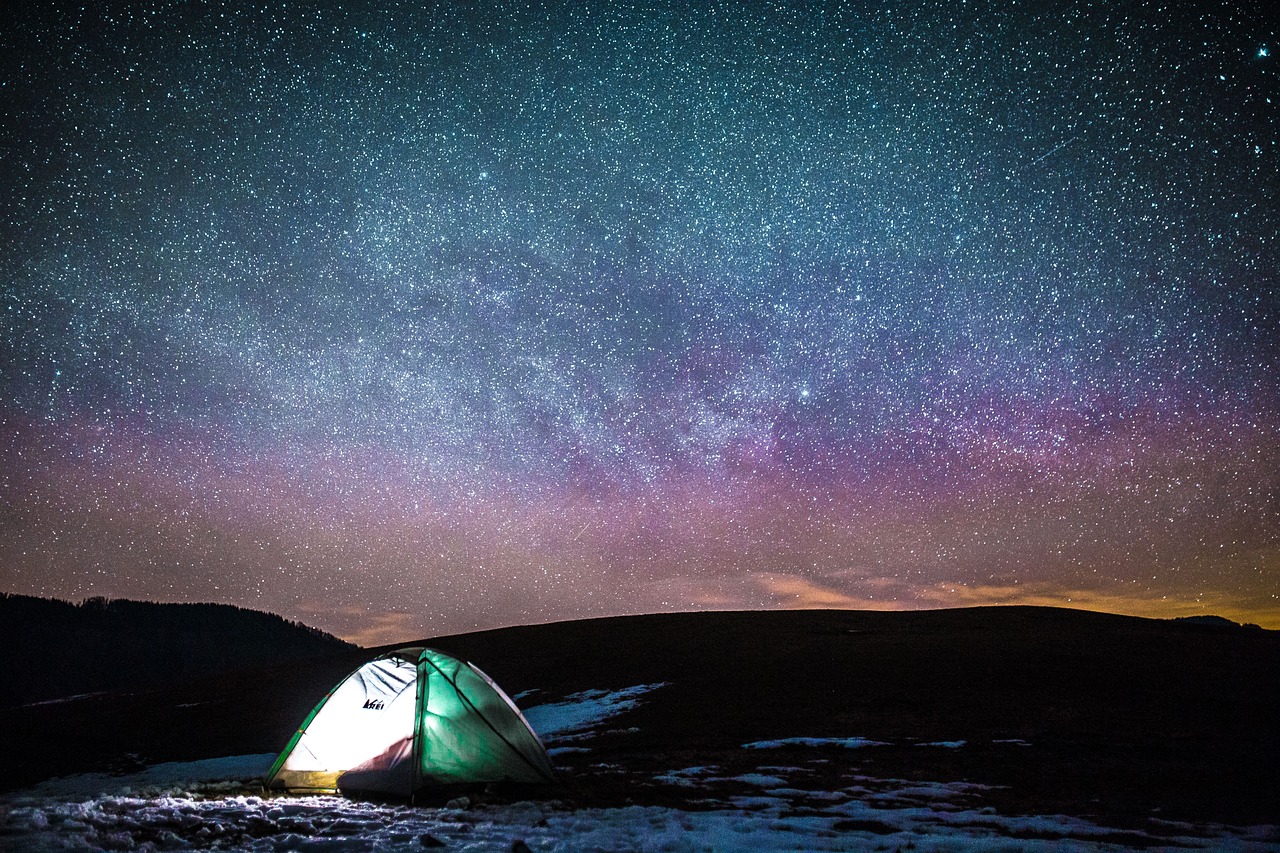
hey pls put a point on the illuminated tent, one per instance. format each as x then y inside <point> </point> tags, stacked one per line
<point>407,720</point>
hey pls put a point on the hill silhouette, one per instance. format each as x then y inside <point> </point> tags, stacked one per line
<point>56,649</point>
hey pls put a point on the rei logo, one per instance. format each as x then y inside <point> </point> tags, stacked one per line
<point>373,704</point>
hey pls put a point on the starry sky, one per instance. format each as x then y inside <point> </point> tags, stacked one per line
<point>404,319</point>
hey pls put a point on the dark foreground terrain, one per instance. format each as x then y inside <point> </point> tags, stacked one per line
<point>1059,711</point>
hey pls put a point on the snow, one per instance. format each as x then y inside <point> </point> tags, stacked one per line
<point>760,780</point>
<point>846,742</point>
<point>217,803</point>
<point>686,775</point>
<point>579,714</point>
<point>62,700</point>
<point>195,805</point>
<point>170,777</point>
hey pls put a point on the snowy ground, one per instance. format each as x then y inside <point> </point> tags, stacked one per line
<point>580,716</point>
<point>214,804</point>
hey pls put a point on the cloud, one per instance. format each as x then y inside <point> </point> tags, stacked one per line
<point>383,629</point>
<point>792,592</point>
<point>1106,599</point>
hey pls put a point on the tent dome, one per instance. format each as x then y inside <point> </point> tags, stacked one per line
<point>407,720</point>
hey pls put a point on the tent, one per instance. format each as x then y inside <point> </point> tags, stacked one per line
<point>407,720</point>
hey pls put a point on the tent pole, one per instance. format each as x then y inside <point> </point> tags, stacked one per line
<point>419,709</point>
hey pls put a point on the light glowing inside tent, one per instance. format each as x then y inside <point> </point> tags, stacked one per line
<point>369,714</point>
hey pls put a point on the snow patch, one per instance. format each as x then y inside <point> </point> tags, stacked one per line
<point>876,814</point>
<point>845,742</point>
<point>579,713</point>
<point>685,777</point>
<point>64,699</point>
<point>760,780</point>
<point>169,777</point>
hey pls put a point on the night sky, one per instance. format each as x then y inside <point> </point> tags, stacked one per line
<point>408,321</point>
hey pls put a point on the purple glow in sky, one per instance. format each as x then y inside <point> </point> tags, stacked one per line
<point>408,321</point>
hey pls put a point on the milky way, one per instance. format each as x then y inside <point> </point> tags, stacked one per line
<point>404,321</point>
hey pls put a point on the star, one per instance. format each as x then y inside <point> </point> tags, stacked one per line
<point>560,313</point>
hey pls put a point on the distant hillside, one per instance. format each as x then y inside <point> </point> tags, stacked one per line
<point>55,649</point>
<point>1059,711</point>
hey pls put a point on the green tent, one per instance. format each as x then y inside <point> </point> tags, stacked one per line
<point>408,720</point>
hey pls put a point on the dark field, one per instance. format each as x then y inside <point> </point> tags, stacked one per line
<point>1117,718</point>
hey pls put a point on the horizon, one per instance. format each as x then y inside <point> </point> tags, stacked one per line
<point>371,638</point>
<point>394,320</point>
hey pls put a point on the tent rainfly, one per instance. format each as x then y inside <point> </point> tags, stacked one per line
<point>408,720</point>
